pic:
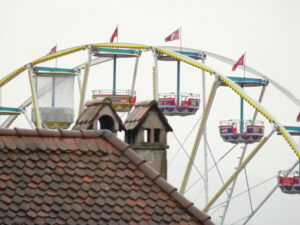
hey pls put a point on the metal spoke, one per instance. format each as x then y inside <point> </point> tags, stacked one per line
<point>247,182</point>
<point>186,138</point>
<point>188,156</point>
<point>245,191</point>
<point>221,158</point>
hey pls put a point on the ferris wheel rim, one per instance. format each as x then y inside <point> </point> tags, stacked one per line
<point>188,60</point>
<point>177,56</point>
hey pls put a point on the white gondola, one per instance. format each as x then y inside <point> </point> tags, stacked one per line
<point>55,95</point>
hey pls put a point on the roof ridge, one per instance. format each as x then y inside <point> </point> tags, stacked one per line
<point>145,103</point>
<point>51,133</point>
<point>157,178</point>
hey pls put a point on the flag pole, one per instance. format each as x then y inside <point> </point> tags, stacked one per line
<point>180,37</point>
<point>242,100</point>
<point>244,64</point>
<point>115,66</point>
<point>56,57</point>
<point>178,73</point>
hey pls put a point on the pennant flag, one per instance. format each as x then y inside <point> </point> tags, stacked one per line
<point>173,36</point>
<point>53,50</point>
<point>115,34</point>
<point>298,118</point>
<point>239,62</point>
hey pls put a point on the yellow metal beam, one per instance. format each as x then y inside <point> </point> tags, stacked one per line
<point>82,90</point>
<point>198,136</point>
<point>117,45</point>
<point>12,75</point>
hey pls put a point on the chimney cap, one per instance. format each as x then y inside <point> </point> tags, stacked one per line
<point>98,101</point>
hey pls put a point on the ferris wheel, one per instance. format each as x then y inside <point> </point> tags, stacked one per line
<point>211,171</point>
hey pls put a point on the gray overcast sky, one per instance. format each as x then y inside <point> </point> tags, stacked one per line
<point>268,31</point>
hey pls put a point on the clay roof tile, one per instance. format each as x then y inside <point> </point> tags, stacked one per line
<point>88,176</point>
<point>8,142</point>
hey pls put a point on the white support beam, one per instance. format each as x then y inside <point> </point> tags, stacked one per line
<point>134,74</point>
<point>26,117</point>
<point>259,100</point>
<point>232,187</point>
<point>199,135</point>
<point>155,77</point>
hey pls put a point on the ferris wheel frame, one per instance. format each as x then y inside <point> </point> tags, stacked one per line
<point>173,53</point>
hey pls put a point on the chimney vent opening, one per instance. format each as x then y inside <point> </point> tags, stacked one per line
<point>106,122</point>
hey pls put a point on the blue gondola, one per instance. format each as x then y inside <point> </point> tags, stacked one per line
<point>179,104</point>
<point>189,104</point>
<point>243,131</point>
<point>289,184</point>
<point>231,132</point>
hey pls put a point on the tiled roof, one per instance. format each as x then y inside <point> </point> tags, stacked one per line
<point>140,112</point>
<point>83,177</point>
<point>88,116</point>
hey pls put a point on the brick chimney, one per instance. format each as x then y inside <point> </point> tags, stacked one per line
<point>146,130</point>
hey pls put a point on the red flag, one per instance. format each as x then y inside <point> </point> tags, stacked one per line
<point>173,36</point>
<point>115,34</point>
<point>298,118</point>
<point>53,50</point>
<point>239,62</point>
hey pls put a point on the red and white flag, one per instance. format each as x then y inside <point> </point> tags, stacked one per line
<point>239,62</point>
<point>174,36</point>
<point>115,34</point>
<point>53,50</point>
<point>298,118</point>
